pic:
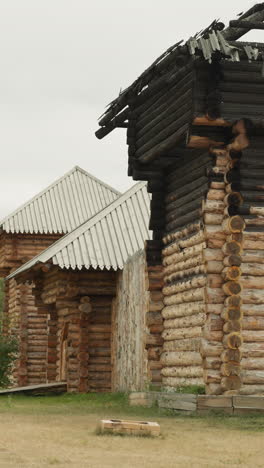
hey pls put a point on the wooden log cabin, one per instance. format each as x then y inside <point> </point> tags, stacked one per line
<point>33,227</point>
<point>96,312</point>
<point>195,133</point>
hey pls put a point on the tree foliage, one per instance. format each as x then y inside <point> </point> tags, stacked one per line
<point>8,354</point>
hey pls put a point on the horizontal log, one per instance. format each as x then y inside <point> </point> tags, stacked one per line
<point>185,232</point>
<point>253,376</point>
<point>254,350</point>
<point>210,348</point>
<point>180,275</point>
<point>188,296</point>
<point>253,296</point>
<point>253,309</point>
<point>196,282</point>
<point>180,244</point>
<point>214,267</point>
<point>183,310</point>
<point>184,322</point>
<point>253,335</point>
<point>181,333</point>
<point>188,371</point>
<point>186,254</point>
<point>184,265</point>
<point>252,390</point>
<point>253,363</point>
<point>212,218</point>
<point>212,362</point>
<point>175,382</point>
<point>184,219</point>
<point>186,344</point>
<point>183,358</point>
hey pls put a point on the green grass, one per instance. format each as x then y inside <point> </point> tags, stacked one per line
<point>116,405</point>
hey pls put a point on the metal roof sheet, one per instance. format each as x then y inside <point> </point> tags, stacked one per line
<point>62,206</point>
<point>104,241</point>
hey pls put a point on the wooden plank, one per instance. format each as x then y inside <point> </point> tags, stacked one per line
<point>213,402</point>
<point>184,401</point>
<point>253,402</point>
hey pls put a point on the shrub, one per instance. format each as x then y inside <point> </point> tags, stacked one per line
<point>8,354</point>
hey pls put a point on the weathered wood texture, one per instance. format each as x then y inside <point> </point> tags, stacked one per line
<point>129,353</point>
<point>188,200</point>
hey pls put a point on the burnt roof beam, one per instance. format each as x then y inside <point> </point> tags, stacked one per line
<point>233,33</point>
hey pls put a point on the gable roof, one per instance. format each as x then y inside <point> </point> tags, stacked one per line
<point>62,206</point>
<point>104,241</point>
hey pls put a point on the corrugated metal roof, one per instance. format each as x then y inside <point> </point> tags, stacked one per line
<point>214,42</point>
<point>104,241</point>
<point>62,206</point>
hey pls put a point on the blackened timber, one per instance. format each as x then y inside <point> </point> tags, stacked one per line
<point>166,144</point>
<point>253,196</point>
<point>200,183</point>
<point>162,107</point>
<point>193,205</point>
<point>246,24</point>
<point>192,195</point>
<point>163,127</point>
<point>175,179</point>
<point>255,14</point>
<point>183,220</point>
<point>187,167</point>
<point>246,184</point>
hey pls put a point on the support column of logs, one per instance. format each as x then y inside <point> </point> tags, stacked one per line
<point>232,287</point>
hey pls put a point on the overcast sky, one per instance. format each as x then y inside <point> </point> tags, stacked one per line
<point>61,63</point>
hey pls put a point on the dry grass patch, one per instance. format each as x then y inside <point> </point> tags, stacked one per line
<point>60,431</point>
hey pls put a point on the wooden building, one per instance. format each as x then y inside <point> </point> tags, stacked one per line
<point>32,228</point>
<point>195,132</point>
<point>95,317</point>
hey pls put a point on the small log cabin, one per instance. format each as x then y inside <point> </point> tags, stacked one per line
<point>33,227</point>
<point>95,311</point>
<point>195,133</point>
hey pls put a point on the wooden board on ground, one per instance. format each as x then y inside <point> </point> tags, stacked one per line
<point>118,426</point>
<point>37,390</point>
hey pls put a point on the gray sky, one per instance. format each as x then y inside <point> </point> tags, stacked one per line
<point>61,62</point>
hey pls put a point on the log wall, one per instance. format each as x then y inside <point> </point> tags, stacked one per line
<point>185,278</point>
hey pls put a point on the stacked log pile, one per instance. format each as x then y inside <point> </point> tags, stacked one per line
<point>185,279</point>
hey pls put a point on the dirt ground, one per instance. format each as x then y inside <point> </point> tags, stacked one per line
<point>34,435</point>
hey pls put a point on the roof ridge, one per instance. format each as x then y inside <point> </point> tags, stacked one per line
<point>67,238</point>
<point>53,184</point>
